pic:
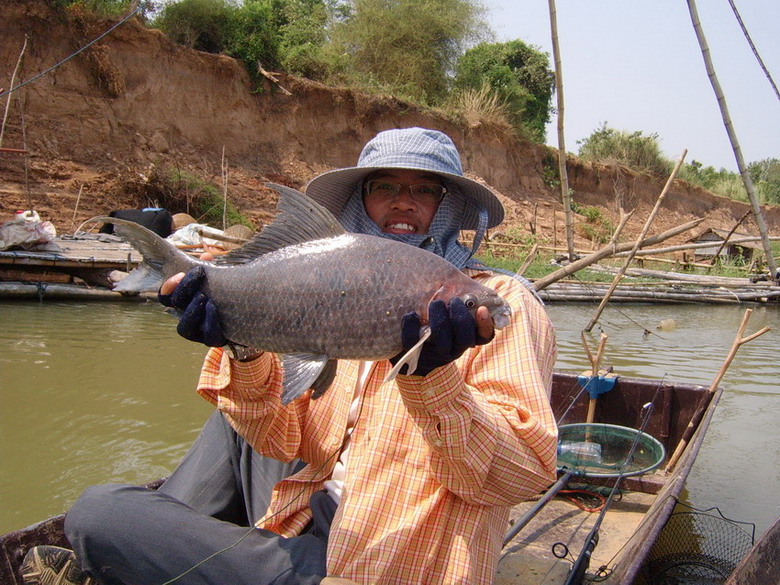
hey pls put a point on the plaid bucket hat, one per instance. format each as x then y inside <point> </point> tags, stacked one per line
<point>408,148</point>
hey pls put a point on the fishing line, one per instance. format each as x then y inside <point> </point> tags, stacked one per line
<point>613,307</point>
<point>72,55</point>
<point>604,571</point>
<point>303,489</point>
<point>252,528</point>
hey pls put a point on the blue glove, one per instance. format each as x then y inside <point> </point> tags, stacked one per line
<point>453,331</point>
<point>199,319</point>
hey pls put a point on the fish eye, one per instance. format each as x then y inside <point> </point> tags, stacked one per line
<point>470,301</point>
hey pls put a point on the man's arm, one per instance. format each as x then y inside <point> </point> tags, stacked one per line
<point>487,417</point>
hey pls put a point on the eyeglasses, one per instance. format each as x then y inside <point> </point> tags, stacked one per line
<point>419,192</point>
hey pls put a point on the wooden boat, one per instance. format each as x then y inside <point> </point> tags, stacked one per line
<point>629,526</point>
<point>762,563</point>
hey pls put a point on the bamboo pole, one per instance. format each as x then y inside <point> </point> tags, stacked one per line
<point>724,111</point>
<point>695,246</point>
<point>528,260</point>
<point>565,198</point>
<point>638,242</point>
<point>609,250</point>
<point>738,342</point>
<point>594,370</point>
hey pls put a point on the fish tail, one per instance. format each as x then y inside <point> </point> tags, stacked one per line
<point>161,259</point>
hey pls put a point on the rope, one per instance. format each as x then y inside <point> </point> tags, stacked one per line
<point>753,47</point>
<point>579,497</point>
<point>71,56</point>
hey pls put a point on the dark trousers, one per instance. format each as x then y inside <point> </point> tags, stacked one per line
<point>196,529</point>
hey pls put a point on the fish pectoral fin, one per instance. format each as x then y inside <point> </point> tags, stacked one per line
<point>302,371</point>
<point>410,357</point>
<point>325,379</point>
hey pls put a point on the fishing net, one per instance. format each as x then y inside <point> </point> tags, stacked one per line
<point>697,548</point>
<point>602,450</point>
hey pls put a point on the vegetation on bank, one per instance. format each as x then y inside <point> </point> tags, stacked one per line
<point>643,153</point>
<point>434,53</point>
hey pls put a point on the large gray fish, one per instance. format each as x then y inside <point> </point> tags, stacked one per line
<point>306,289</point>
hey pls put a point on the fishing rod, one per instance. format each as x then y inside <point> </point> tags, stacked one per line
<point>577,573</point>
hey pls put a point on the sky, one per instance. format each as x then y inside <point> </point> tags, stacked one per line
<point>636,65</point>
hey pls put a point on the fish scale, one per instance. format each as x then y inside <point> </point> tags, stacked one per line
<point>313,293</point>
<point>349,307</point>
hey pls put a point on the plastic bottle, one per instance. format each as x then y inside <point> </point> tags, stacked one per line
<point>580,450</point>
<point>25,216</point>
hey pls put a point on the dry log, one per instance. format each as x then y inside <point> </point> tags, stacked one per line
<point>609,251</point>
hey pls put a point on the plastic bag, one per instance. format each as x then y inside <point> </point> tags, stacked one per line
<point>27,231</point>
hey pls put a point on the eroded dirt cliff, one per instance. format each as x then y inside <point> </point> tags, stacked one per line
<point>98,126</point>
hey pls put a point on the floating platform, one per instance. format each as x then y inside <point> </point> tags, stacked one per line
<point>76,266</point>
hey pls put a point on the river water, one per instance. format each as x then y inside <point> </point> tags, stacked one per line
<point>103,392</point>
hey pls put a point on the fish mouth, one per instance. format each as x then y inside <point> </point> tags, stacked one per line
<point>501,312</point>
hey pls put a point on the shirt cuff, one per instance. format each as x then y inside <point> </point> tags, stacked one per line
<point>434,392</point>
<point>221,375</point>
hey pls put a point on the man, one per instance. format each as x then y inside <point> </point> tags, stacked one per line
<point>404,482</point>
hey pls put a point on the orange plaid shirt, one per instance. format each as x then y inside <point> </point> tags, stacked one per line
<point>435,462</point>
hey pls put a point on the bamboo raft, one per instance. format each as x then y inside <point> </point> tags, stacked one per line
<point>77,267</point>
<point>662,292</point>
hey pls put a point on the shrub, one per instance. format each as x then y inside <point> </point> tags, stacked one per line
<point>197,24</point>
<point>632,149</point>
<point>253,34</point>
<point>765,175</point>
<point>519,74</point>
<point>407,46</point>
<point>481,106</point>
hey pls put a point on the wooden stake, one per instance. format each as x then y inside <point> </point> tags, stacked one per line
<point>528,259</point>
<point>738,342</point>
<point>10,93</point>
<point>224,190</point>
<point>594,369</point>
<point>75,209</point>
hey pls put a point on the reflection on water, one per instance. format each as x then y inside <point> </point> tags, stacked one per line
<point>100,392</point>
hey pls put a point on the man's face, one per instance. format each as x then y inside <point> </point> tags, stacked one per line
<point>408,210</point>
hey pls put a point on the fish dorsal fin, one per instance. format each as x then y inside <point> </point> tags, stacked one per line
<point>300,219</point>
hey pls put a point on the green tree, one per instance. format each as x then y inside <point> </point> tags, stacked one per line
<point>707,177</point>
<point>274,33</point>
<point>632,149</point>
<point>198,24</point>
<point>519,74</point>
<point>304,39</point>
<point>253,33</point>
<point>408,46</point>
<point>765,175</point>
